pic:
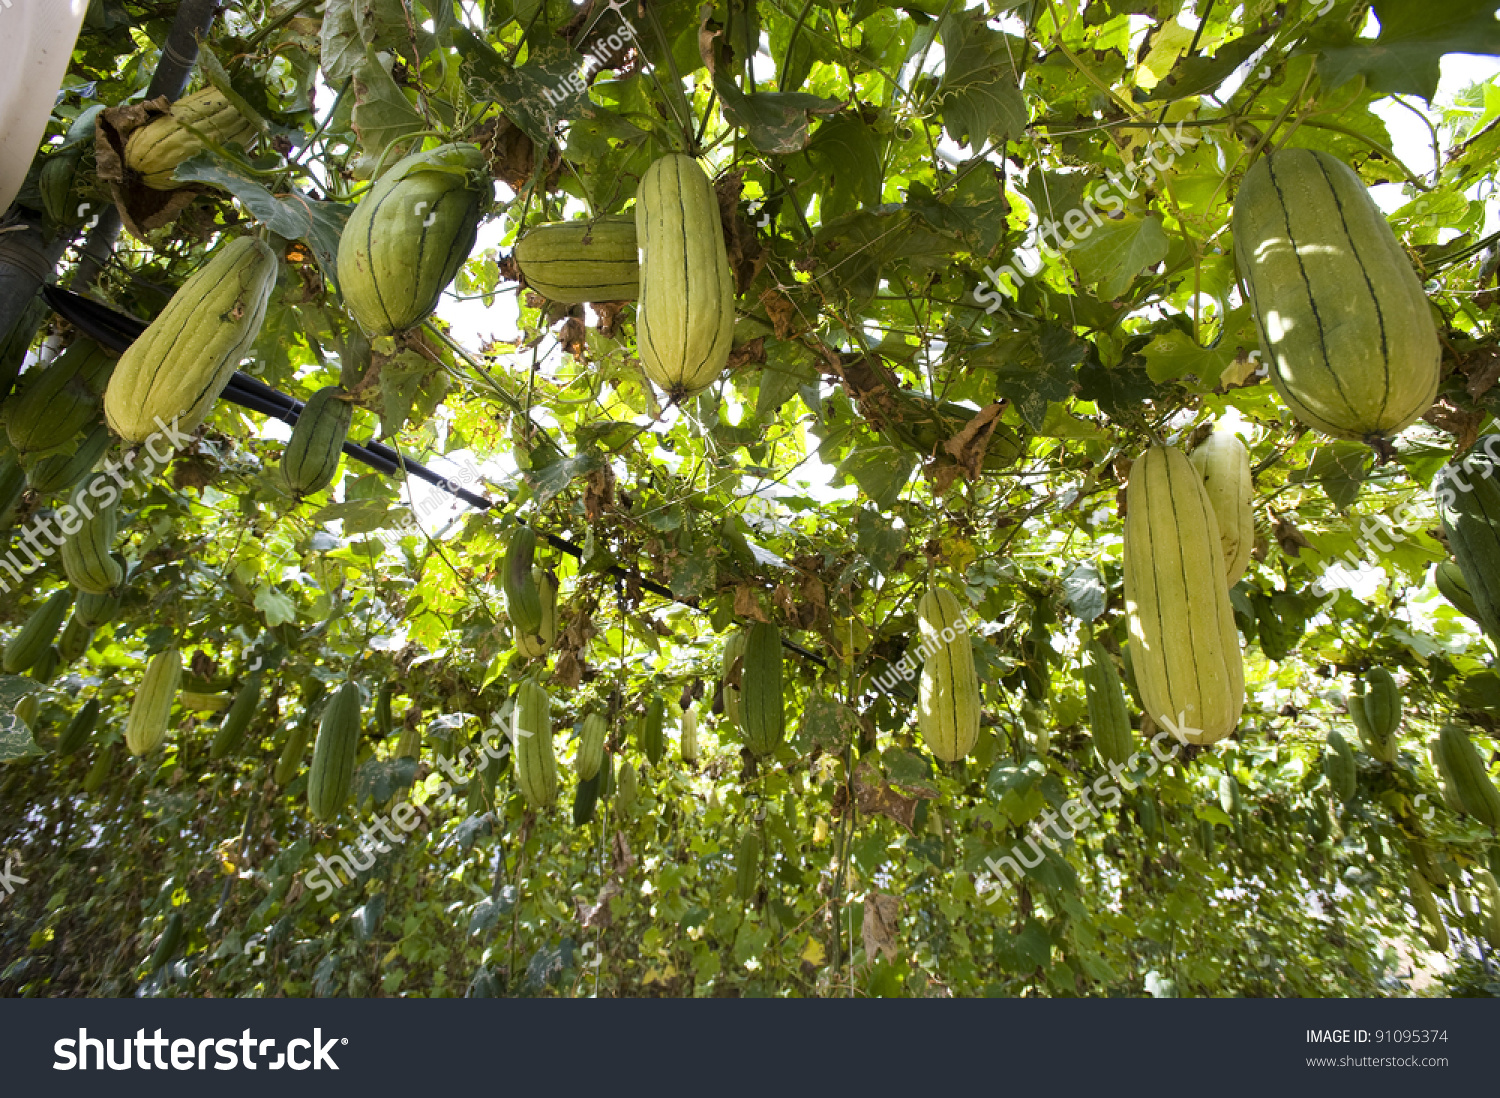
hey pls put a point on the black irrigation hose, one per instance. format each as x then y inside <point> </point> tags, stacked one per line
<point>117,331</point>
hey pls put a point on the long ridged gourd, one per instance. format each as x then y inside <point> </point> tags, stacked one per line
<point>97,610</point>
<point>585,797</point>
<point>1375,708</point>
<point>1448,577</point>
<point>34,638</point>
<point>948,696</point>
<point>155,150</point>
<point>1225,465</point>
<point>590,745</point>
<point>523,596</point>
<point>236,722</point>
<point>626,787</point>
<point>1109,719</point>
<point>1468,498</point>
<point>1340,767</point>
<point>12,488</point>
<point>536,763</point>
<point>1466,775</point>
<point>75,640</point>
<point>146,727</point>
<point>60,471</point>
<point>689,733</point>
<point>578,261</point>
<point>1183,643</point>
<point>332,772</point>
<point>87,554</point>
<point>685,321</point>
<point>83,725</point>
<point>409,236</point>
<point>732,669</point>
<point>181,363</point>
<point>60,401</point>
<point>293,750</point>
<point>1430,916</point>
<point>538,644</point>
<point>762,705</point>
<point>1344,323</point>
<point>311,458</point>
<point>653,732</point>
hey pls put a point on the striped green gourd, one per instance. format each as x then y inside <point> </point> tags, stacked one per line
<point>385,721</point>
<point>87,555</point>
<point>685,320</point>
<point>627,787</point>
<point>523,595</point>
<point>538,644</point>
<point>1225,465</point>
<point>168,944</point>
<point>293,750</point>
<point>32,641</point>
<point>585,798</point>
<point>409,236</point>
<point>1429,914</point>
<point>332,773</point>
<point>1465,773</point>
<point>1109,719</point>
<point>311,458</point>
<point>155,150</point>
<point>61,471</point>
<point>1486,881</point>
<point>55,180</point>
<point>761,702</point>
<point>83,724</point>
<point>236,722</point>
<point>1375,708</point>
<point>146,727</point>
<point>590,745</point>
<point>573,262</point>
<point>180,364</point>
<point>28,709</point>
<point>1183,641</point>
<point>689,735</point>
<point>1444,779</point>
<point>731,671</point>
<point>1340,768</point>
<point>1344,323</point>
<point>536,763</point>
<point>96,611</point>
<point>75,640</point>
<point>43,669</point>
<point>60,401</point>
<point>1468,498</point>
<point>1448,577</point>
<point>948,696</point>
<point>652,731</point>
<point>409,743</point>
<point>747,866</point>
<point>12,488</point>
<point>99,771</point>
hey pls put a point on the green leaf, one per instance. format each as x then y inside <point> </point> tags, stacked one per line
<point>880,470</point>
<point>1404,59</point>
<point>1111,255</point>
<point>276,606</point>
<point>846,152</point>
<point>294,216</point>
<point>1173,354</point>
